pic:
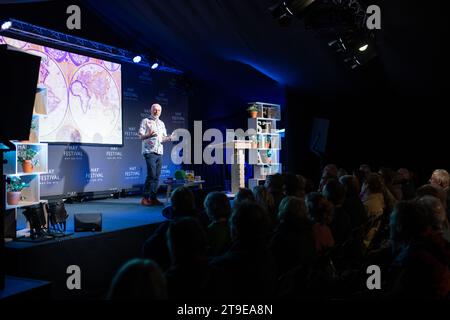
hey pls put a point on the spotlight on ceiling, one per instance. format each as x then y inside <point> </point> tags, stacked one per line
<point>356,50</point>
<point>154,66</point>
<point>282,13</point>
<point>363,47</point>
<point>137,59</point>
<point>6,25</point>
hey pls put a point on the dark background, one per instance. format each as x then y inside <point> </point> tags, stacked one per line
<point>391,112</point>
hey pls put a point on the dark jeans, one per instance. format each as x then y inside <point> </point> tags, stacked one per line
<point>154,164</point>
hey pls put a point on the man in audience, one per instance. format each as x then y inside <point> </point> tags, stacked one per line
<point>155,247</point>
<point>218,209</point>
<point>138,279</point>
<point>248,269</point>
<point>189,275</point>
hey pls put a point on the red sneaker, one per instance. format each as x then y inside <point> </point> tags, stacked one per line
<point>146,202</point>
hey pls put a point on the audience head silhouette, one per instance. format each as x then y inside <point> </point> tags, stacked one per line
<point>138,279</point>
<point>217,206</point>
<point>186,240</point>
<point>183,202</point>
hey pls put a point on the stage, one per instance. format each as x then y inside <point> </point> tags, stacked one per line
<point>126,225</point>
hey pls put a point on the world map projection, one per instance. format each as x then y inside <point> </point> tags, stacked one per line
<point>84,96</point>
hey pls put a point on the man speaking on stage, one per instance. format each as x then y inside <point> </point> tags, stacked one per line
<point>153,133</point>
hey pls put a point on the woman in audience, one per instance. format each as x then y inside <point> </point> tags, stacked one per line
<point>352,203</point>
<point>265,200</point>
<point>422,256</point>
<point>275,184</point>
<point>138,279</point>
<point>372,196</point>
<point>341,226</point>
<point>244,194</point>
<point>321,213</point>
<point>293,241</point>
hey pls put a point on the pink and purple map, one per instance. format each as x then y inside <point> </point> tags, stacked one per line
<point>84,96</point>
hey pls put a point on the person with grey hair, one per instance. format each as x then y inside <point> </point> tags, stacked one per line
<point>441,178</point>
<point>153,133</point>
<point>293,241</point>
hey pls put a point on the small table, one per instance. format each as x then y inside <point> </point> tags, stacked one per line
<point>171,183</point>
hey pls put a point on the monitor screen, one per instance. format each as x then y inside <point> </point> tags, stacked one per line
<point>84,96</point>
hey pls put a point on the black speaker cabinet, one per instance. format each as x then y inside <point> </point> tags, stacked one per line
<point>88,222</point>
<point>18,82</point>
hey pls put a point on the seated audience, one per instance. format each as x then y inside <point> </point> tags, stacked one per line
<point>247,268</point>
<point>189,274</point>
<point>321,213</point>
<point>439,221</point>
<point>421,266</point>
<point>244,194</point>
<point>218,209</point>
<point>138,279</point>
<point>275,184</point>
<point>330,171</point>
<point>372,196</point>
<point>407,182</point>
<point>340,226</point>
<point>441,178</point>
<point>352,203</point>
<point>155,247</point>
<point>293,241</point>
<point>265,200</point>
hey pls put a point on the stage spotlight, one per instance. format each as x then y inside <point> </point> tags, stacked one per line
<point>57,215</point>
<point>6,25</point>
<point>282,13</point>
<point>36,219</point>
<point>363,48</point>
<point>137,59</point>
<point>155,65</point>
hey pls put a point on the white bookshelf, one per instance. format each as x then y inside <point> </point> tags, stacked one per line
<point>13,168</point>
<point>266,142</point>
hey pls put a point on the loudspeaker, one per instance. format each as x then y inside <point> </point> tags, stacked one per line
<point>319,135</point>
<point>88,222</point>
<point>18,83</point>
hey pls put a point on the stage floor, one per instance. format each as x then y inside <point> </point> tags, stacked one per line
<point>126,226</point>
<point>117,214</point>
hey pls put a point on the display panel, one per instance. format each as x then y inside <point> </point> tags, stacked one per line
<point>84,96</point>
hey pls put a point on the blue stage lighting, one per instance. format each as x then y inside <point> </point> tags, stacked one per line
<point>6,25</point>
<point>155,65</point>
<point>137,59</point>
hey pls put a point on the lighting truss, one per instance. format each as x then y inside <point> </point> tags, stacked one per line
<point>51,37</point>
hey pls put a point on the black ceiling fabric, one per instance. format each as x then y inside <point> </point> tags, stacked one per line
<point>237,46</point>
